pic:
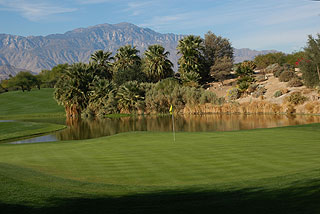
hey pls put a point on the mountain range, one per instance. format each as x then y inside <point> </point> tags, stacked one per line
<point>36,53</point>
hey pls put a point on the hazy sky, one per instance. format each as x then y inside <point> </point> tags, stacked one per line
<point>257,24</point>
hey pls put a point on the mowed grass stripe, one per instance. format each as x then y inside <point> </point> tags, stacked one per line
<point>35,102</point>
<point>11,130</point>
<point>145,158</point>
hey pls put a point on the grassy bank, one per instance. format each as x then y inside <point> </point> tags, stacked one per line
<point>257,171</point>
<point>36,103</point>
<point>10,130</point>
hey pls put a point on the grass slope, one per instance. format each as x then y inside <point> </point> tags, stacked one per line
<point>9,130</point>
<point>258,171</point>
<point>33,103</point>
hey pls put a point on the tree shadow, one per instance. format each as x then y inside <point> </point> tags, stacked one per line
<point>251,200</point>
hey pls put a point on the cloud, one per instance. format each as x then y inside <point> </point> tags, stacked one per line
<point>33,10</point>
<point>136,8</point>
<point>93,1</point>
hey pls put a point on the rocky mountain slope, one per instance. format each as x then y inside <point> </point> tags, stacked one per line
<point>36,53</point>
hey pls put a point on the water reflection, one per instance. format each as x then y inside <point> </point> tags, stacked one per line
<point>86,129</point>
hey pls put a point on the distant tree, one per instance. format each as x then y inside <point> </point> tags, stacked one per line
<point>156,64</point>
<point>216,48</point>
<point>310,64</point>
<point>221,69</point>
<point>103,61</point>
<point>125,57</point>
<point>23,79</point>
<point>263,61</point>
<point>50,77</point>
<point>192,61</point>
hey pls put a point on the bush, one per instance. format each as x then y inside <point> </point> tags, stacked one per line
<point>252,87</point>
<point>296,98</point>
<point>295,82</point>
<point>233,94</point>
<point>243,86</point>
<point>286,76</point>
<point>278,94</point>
<point>260,91</point>
<point>272,68</point>
<point>277,72</point>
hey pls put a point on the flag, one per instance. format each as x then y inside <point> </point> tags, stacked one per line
<point>170,110</point>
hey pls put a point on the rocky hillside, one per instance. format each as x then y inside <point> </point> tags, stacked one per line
<point>243,54</point>
<point>36,53</point>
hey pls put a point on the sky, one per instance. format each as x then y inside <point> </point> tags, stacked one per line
<point>282,25</point>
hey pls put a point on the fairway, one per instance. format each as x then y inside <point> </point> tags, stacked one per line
<point>278,159</point>
<point>11,130</point>
<point>29,103</point>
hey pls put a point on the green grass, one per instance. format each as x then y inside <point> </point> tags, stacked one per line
<point>10,130</point>
<point>36,103</point>
<point>257,171</point>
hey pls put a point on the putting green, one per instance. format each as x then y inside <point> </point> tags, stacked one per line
<point>283,162</point>
<point>154,159</point>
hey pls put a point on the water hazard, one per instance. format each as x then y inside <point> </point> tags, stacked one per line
<point>87,129</point>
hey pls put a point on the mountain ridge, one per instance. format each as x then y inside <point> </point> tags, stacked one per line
<point>36,53</point>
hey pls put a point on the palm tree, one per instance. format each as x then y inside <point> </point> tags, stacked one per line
<point>103,61</point>
<point>125,57</point>
<point>130,97</point>
<point>157,66</point>
<point>72,89</point>
<point>192,60</point>
<point>102,92</point>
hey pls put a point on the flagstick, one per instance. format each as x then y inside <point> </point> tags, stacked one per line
<point>174,134</point>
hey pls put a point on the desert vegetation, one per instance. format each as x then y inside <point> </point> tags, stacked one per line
<point>127,82</point>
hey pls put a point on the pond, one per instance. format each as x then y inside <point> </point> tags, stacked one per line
<point>87,129</point>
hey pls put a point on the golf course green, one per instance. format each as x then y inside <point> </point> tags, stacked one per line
<point>273,170</point>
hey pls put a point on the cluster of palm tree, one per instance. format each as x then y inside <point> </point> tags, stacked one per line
<point>108,83</point>
<point>128,82</point>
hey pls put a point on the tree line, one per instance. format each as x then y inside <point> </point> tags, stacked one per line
<point>127,82</point>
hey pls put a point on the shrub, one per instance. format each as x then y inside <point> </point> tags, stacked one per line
<point>277,72</point>
<point>210,97</point>
<point>286,76</point>
<point>296,98</point>
<point>295,82</point>
<point>260,91</point>
<point>272,68</point>
<point>233,94</point>
<point>243,86</point>
<point>278,94</point>
<point>249,64</point>
<point>252,87</point>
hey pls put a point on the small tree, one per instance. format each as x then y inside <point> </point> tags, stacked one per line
<point>23,79</point>
<point>310,64</point>
<point>216,48</point>
<point>221,68</point>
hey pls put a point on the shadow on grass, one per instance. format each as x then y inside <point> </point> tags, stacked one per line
<point>290,200</point>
